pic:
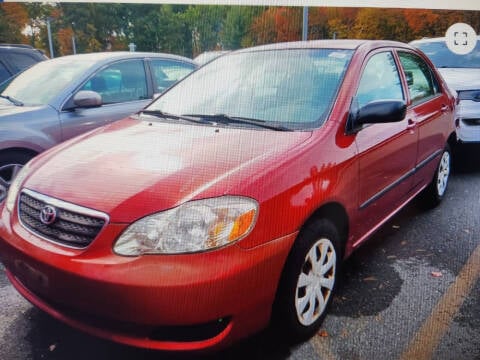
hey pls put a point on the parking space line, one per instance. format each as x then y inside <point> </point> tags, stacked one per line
<point>426,340</point>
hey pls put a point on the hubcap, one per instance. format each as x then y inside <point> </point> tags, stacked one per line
<point>443,173</point>
<point>7,174</point>
<point>316,281</point>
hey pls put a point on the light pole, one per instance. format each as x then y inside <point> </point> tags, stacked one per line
<point>74,47</point>
<point>50,44</point>
<point>305,24</point>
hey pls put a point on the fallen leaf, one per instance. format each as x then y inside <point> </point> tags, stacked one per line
<point>370,278</point>
<point>323,333</point>
<point>437,274</point>
<point>396,227</point>
<point>391,257</point>
<point>403,242</point>
<point>52,347</point>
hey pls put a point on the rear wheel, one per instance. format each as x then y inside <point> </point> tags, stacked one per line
<point>436,190</point>
<point>308,280</point>
<point>11,162</point>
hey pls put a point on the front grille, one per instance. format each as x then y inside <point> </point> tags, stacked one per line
<point>473,95</point>
<point>472,122</point>
<point>73,225</point>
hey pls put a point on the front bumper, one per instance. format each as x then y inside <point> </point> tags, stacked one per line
<point>168,302</point>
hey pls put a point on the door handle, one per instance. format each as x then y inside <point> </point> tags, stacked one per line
<point>444,108</point>
<point>411,124</point>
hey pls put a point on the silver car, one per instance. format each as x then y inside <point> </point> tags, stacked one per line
<point>60,98</point>
<point>462,74</point>
<point>208,56</point>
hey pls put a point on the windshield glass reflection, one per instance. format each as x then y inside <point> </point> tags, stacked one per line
<point>291,88</point>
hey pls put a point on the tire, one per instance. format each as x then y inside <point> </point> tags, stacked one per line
<point>308,281</point>
<point>11,161</point>
<point>435,191</point>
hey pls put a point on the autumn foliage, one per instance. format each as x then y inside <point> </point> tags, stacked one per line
<point>189,29</point>
<point>277,25</point>
<point>13,16</point>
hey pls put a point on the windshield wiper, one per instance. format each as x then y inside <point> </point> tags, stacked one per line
<point>166,115</point>
<point>227,119</point>
<point>12,100</point>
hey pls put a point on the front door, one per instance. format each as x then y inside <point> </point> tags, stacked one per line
<point>386,152</point>
<point>124,91</point>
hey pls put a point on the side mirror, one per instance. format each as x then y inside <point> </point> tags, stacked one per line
<point>375,112</point>
<point>87,99</point>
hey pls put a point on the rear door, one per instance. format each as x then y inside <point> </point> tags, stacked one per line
<point>431,109</point>
<point>167,72</point>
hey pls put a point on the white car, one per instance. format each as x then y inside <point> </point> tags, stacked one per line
<point>462,74</point>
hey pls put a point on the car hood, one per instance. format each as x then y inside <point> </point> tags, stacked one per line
<point>8,109</point>
<point>133,168</point>
<point>461,78</point>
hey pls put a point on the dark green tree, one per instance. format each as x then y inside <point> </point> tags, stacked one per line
<point>205,24</point>
<point>95,25</point>
<point>158,28</point>
<point>236,30</point>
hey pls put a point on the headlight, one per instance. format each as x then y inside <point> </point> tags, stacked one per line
<point>15,187</point>
<point>194,226</point>
<point>473,95</point>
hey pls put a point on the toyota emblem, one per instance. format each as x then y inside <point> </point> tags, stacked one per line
<point>48,214</point>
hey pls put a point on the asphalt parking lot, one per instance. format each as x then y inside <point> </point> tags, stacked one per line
<point>412,292</point>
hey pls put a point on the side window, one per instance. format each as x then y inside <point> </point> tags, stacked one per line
<point>168,72</point>
<point>380,80</point>
<point>420,79</point>
<point>120,82</point>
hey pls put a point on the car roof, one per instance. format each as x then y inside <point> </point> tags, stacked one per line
<point>23,48</point>
<point>120,55</point>
<point>328,44</point>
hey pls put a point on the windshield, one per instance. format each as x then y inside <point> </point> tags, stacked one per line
<point>442,57</point>
<point>44,81</point>
<point>292,88</point>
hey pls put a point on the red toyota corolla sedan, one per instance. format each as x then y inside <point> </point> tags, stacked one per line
<point>232,200</point>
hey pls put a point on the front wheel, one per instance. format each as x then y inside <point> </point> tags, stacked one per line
<point>10,164</point>
<point>308,280</point>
